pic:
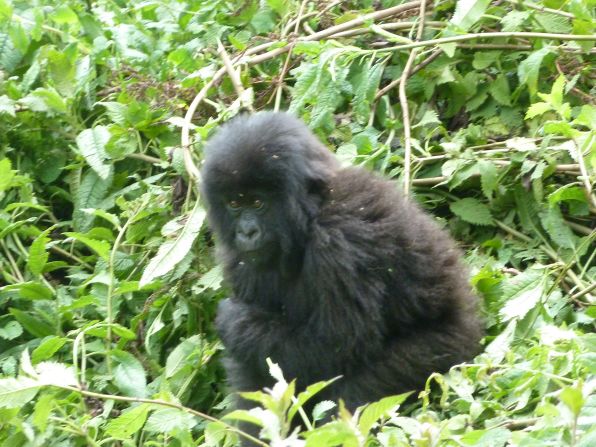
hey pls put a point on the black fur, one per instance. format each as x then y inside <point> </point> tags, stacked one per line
<point>355,280</point>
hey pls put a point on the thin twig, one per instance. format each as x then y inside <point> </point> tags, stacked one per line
<point>234,76</point>
<point>541,8</point>
<point>583,292</point>
<point>435,54</point>
<point>164,404</point>
<point>146,158</point>
<point>403,99</point>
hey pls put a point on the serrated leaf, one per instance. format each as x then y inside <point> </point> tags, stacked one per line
<point>90,194</point>
<point>91,144</point>
<point>129,422</point>
<point>499,89</point>
<point>321,409</point>
<point>557,228</point>
<point>15,393</point>
<point>488,177</point>
<point>38,256</point>
<point>178,358</point>
<point>210,280</point>
<point>47,348</point>
<point>513,20</point>
<point>102,248</point>
<point>529,69</point>
<point>165,420</point>
<point>11,330</point>
<point>536,109</point>
<point>573,399</point>
<point>7,106</point>
<point>468,12</point>
<point>117,112</point>
<point>521,294</point>
<point>6,174</point>
<point>472,210</point>
<point>376,410</point>
<point>172,252</point>
<point>129,375</point>
<point>33,325</point>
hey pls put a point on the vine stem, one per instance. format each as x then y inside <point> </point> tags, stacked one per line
<point>164,404</point>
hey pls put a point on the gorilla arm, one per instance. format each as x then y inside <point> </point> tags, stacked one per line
<point>317,349</point>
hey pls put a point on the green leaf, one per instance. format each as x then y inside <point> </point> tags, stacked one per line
<point>529,69</point>
<point>488,177</point>
<point>129,375</point>
<point>172,252</point>
<point>468,12</point>
<point>166,420</point>
<point>210,280</point>
<point>129,422</point>
<point>521,294</point>
<point>499,89</point>
<point>7,106</point>
<point>587,117</point>
<point>536,109</point>
<point>33,325</point>
<point>6,174</point>
<point>573,399</point>
<point>496,437</point>
<point>47,348</point>
<point>89,195</point>
<point>38,256</point>
<point>11,330</point>
<point>472,210</point>
<point>15,393</point>
<point>376,410</point>
<point>91,144</point>
<point>179,357</point>
<point>102,248</point>
<point>557,228</point>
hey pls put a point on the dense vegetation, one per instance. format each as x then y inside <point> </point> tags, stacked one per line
<point>108,286</point>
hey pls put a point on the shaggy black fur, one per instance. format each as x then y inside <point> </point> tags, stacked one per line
<point>345,276</point>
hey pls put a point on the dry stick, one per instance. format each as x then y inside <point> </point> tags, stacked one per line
<point>542,8</point>
<point>435,54</point>
<point>280,79</point>
<point>161,403</point>
<point>377,15</point>
<point>584,292</point>
<point>403,99</point>
<point>388,27</point>
<point>233,74</point>
<point>495,34</point>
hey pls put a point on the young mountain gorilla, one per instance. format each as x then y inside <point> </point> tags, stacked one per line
<point>333,271</point>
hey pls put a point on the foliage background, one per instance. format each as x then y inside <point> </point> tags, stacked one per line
<point>106,312</point>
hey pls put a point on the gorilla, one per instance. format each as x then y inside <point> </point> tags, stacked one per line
<point>333,271</point>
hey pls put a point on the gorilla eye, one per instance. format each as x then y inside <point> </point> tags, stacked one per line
<point>258,204</point>
<point>234,204</point>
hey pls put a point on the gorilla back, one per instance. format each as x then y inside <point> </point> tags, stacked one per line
<point>333,271</point>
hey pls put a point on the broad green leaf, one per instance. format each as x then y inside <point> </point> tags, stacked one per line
<point>468,12</point>
<point>557,228</point>
<point>488,177</point>
<point>129,375</point>
<point>91,144</point>
<point>38,256</point>
<point>472,210</point>
<point>47,348</point>
<point>499,89</point>
<point>102,248</point>
<point>495,437</point>
<point>521,294</point>
<point>165,420</point>
<point>529,69</point>
<point>537,109</point>
<point>89,195</point>
<point>376,410</point>
<point>15,393</point>
<point>173,251</point>
<point>179,357</point>
<point>6,174</point>
<point>573,399</point>
<point>33,325</point>
<point>129,422</point>
<point>7,106</point>
<point>210,280</point>
<point>10,330</point>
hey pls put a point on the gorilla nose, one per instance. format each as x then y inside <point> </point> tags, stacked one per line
<point>248,236</point>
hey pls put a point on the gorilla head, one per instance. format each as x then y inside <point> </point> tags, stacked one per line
<point>261,173</point>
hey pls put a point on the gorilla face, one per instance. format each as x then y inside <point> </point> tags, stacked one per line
<point>262,180</point>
